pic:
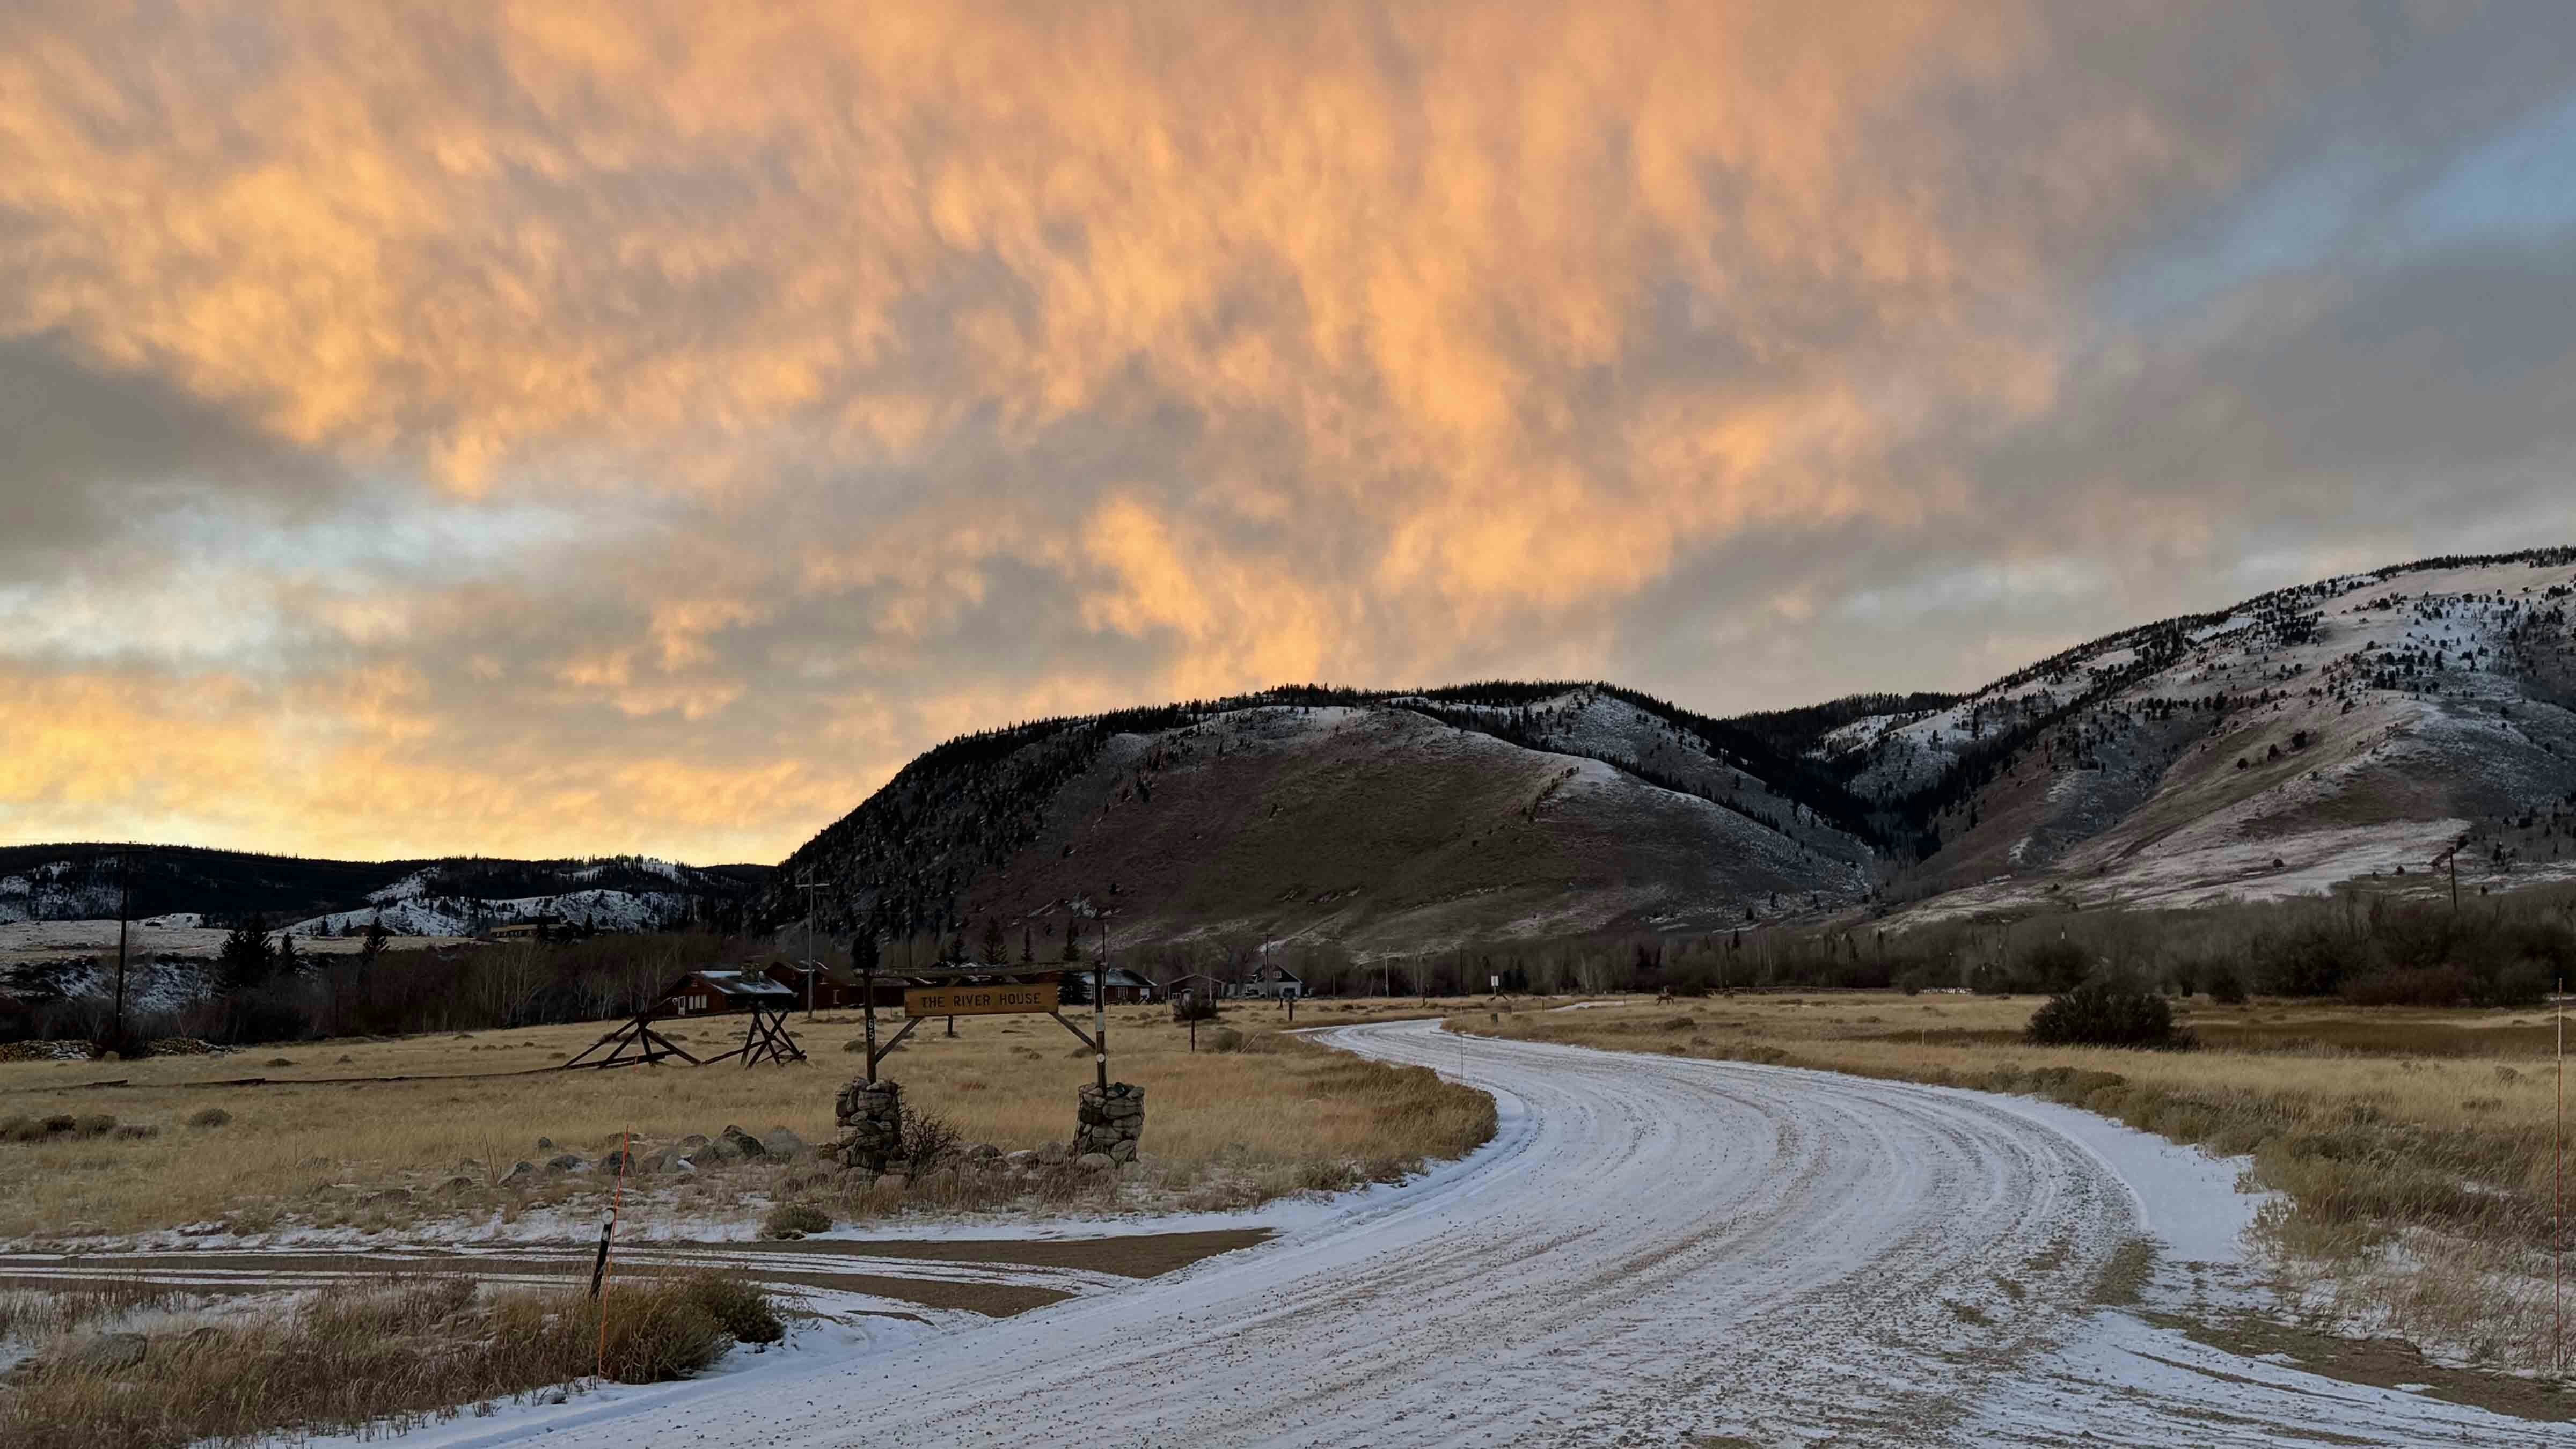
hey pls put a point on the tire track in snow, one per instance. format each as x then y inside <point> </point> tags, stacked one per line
<point>1652,1248</point>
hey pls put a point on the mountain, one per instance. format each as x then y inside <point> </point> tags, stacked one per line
<point>1375,818</point>
<point>2299,739</point>
<point>2354,726</point>
<point>184,885</point>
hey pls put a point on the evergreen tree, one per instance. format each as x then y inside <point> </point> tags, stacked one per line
<point>1073,940</point>
<point>286,963</point>
<point>863,951</point>
<point>1028,946</point>
<point>243,963</point>
<point>994,946</point>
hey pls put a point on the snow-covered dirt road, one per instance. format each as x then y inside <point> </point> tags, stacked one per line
<point>1652,1250</point>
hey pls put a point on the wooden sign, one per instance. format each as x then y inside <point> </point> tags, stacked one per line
<point>981,1000</point>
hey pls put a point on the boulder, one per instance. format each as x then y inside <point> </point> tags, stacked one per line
<point>984,1151</point>
<point>1095,1162</point>
<point>566,1162</point>
<point>520,1173</point>
<point>692,1142</point>
<point>1052,1153</point>
<point>779,1142</point>
<point>545,1144</point>
<point>742,1143</point>
<point>1021,1158</point>
<point>1123,1152</point>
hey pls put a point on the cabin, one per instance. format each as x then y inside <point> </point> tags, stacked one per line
<point>712,991</point>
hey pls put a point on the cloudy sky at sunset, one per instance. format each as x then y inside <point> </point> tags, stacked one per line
<point>534,429</point>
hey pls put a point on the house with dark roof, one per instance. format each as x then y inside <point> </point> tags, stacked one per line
<point>1272,982</point>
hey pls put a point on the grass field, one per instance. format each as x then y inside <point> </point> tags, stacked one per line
<point>1223,1128</point>
<point>2412,1147</point>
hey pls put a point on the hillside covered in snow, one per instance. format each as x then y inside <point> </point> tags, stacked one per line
<point>188,888</point>
<point>2351,727</point>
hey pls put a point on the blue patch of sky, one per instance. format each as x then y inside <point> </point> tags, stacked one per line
<point>2521,184</point>
<point>2354,209</point>
<point>391,533</point>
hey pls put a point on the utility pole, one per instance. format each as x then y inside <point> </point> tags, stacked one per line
<point>2451,858</point>
<point>1100,1007</point>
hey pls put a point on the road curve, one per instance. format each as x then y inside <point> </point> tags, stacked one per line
<point>1653,1249</point>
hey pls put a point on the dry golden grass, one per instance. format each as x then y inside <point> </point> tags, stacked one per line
<point>2413,1147</point>
<point>384,1354</point>
<point>1243,1126</point>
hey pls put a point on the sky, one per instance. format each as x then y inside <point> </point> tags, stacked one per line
<point>550,429</point>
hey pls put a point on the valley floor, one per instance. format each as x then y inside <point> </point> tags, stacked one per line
<point>1652,1249</point>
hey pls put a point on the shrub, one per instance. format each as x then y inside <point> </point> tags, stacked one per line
<point>209,1117</point>
<point>2106,1010</point>
<point>656,1331</point>
<point>2053,965</point>
<point>2409,986</point>
<point>1225,1039</point>
<point>795,1220</point>
<point>928,1142</point>
<point>741,1307</point>
<point>1193,1008</point>
<point>2224,984</point>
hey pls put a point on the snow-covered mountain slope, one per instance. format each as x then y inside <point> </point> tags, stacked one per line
<point>184,887</point>
<point>2308,736</point>
<point>427,915</point>
<point>2297,740</point>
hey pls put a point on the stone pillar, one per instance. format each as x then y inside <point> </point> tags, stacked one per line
<point>1112,1123</point>
<point>871,1116</point>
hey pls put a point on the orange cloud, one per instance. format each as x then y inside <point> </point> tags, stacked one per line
<point>1181,349</point>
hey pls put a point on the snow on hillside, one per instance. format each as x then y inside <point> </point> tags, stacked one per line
<point>415,915</point>
<point>2297,740</point>
<point>54,891</point>
<point>1600,726</point>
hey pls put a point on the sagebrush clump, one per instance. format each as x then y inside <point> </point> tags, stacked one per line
<point>2107,1010</point>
